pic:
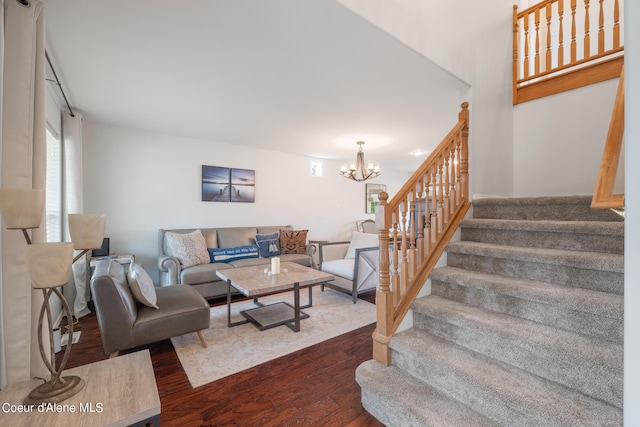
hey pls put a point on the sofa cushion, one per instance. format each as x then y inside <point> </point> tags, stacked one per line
<point>236,236</point>
<point>269,244</point>
<point>210,237</point>
<point>189,248</point>
<point>302,259</point>
<point>232,254</point>
<point>141,286</point>
<point>248,262</point>
<point>339,267</point>
<point>293,241</point>
<point>202,273</point>
<point>361,240</point>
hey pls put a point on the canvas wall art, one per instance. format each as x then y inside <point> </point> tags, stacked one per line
<point>222,184</point>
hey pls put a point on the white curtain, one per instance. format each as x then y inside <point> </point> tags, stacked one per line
<point>3,356</point>
<point>76,293</point>
<point>23,166</point>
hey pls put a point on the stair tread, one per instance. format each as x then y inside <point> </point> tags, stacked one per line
<point>609,228</point>
<point>578,299</point>
<point>566,347</point>
<point>389,382</point>
<point>589,260</point>
<point>505,388</point>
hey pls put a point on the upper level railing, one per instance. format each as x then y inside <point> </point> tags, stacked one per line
<point>560,45</point>
<point>415,226</point>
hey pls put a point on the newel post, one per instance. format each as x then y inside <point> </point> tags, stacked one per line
<point>384,297</point>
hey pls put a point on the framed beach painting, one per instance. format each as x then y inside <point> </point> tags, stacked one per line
<point>222,184</point>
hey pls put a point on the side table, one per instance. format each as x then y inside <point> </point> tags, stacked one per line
<point>120,391</point>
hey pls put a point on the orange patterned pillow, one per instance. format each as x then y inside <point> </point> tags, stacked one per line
<point>293,241</point>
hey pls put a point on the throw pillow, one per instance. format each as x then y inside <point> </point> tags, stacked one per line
<point>269,244</point>
<point>293,241</point>
<point>189,248</point>
<point>141,286</point>
<point>232,254</point>
<point>361,240</point>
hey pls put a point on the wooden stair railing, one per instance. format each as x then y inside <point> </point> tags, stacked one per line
<point>603,197</point>
<point>415,226</point>
<point>554,51</point>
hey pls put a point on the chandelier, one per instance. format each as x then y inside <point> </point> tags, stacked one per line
<point>357,170</point>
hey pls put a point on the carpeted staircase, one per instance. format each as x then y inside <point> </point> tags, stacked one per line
<point>524,326</point>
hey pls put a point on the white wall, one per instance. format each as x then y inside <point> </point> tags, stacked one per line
<point>632,220</point>
<point>558,141</point>
<point>470,39</point>
<point>145,181</point>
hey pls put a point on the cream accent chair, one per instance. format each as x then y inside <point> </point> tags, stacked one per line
<point>366,226</point>
<point>354,264</point>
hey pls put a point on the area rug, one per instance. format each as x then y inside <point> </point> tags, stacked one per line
<point>231,350</point>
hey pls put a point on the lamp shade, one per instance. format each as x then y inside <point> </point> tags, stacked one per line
<point>87,230</point>
<point>49,264</point>
<point>21,207</point>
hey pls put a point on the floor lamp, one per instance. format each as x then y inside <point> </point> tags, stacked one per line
<point>49,265</point>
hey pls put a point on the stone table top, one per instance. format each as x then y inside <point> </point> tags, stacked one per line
<point>253,280</point>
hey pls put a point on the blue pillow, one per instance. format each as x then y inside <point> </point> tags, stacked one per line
<point>232,254</point>
<point>269,244</point>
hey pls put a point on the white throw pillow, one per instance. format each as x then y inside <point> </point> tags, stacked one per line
<point>361,240</point>
<point>141,286</point>
<point>189,248</point>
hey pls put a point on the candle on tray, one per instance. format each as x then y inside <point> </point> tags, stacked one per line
<point>275,265</point>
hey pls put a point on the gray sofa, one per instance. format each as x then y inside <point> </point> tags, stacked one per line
<point>203,277</point>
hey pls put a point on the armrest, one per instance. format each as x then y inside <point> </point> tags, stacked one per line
<point>169,270</point>
<point>365,268</point>
<point>333,250</point>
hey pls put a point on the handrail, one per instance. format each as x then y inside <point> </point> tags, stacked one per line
<point>415,226</point>
<point>603,197</point>
<point>542,67</point>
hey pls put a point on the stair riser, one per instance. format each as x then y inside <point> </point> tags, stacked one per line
<point>459,387</point>
<point>560,368</point>
<point>605,328</point>
<point>597,280</point>
<point>547,240</point>
<point>542,212</point>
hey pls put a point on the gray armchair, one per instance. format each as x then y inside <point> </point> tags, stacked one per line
<point>125,323</point>
<point>354,264</point>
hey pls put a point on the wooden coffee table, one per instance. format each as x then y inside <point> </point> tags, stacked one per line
<point>254,282</point>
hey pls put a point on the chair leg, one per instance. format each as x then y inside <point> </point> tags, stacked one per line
<point>114,354</point>
<point>202,340</point>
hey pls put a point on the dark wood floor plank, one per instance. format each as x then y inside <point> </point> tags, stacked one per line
<point>314,386</point>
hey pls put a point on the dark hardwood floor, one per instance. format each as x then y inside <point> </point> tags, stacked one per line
<point>313,386</point>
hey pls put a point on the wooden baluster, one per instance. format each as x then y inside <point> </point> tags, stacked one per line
<point>587,37</point>
<point>464,156</point>
<point>434,205</point>
<point>420,223</point>
<point>446,205</point>
<point>616,24</point>
<point>412,236</point>
<point>404,262</point>
<point>440,198</point>
<point>573,31</point>
<point>601,28</point>
<point>526,46</point>
<point>548,64</point>
<point>395,278</point>
<point>427,216</point>
<point>458,185</point>
<point>454,166</point>
<point>560,34</point>
<point>536,67</point>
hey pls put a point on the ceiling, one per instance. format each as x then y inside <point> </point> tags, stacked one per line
<point>306,77</point>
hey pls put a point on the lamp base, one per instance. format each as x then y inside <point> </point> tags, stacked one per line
<point>56,392</point>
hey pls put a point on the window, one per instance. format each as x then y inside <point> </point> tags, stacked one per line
<point>316,169</point>
<point>53,191</point>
